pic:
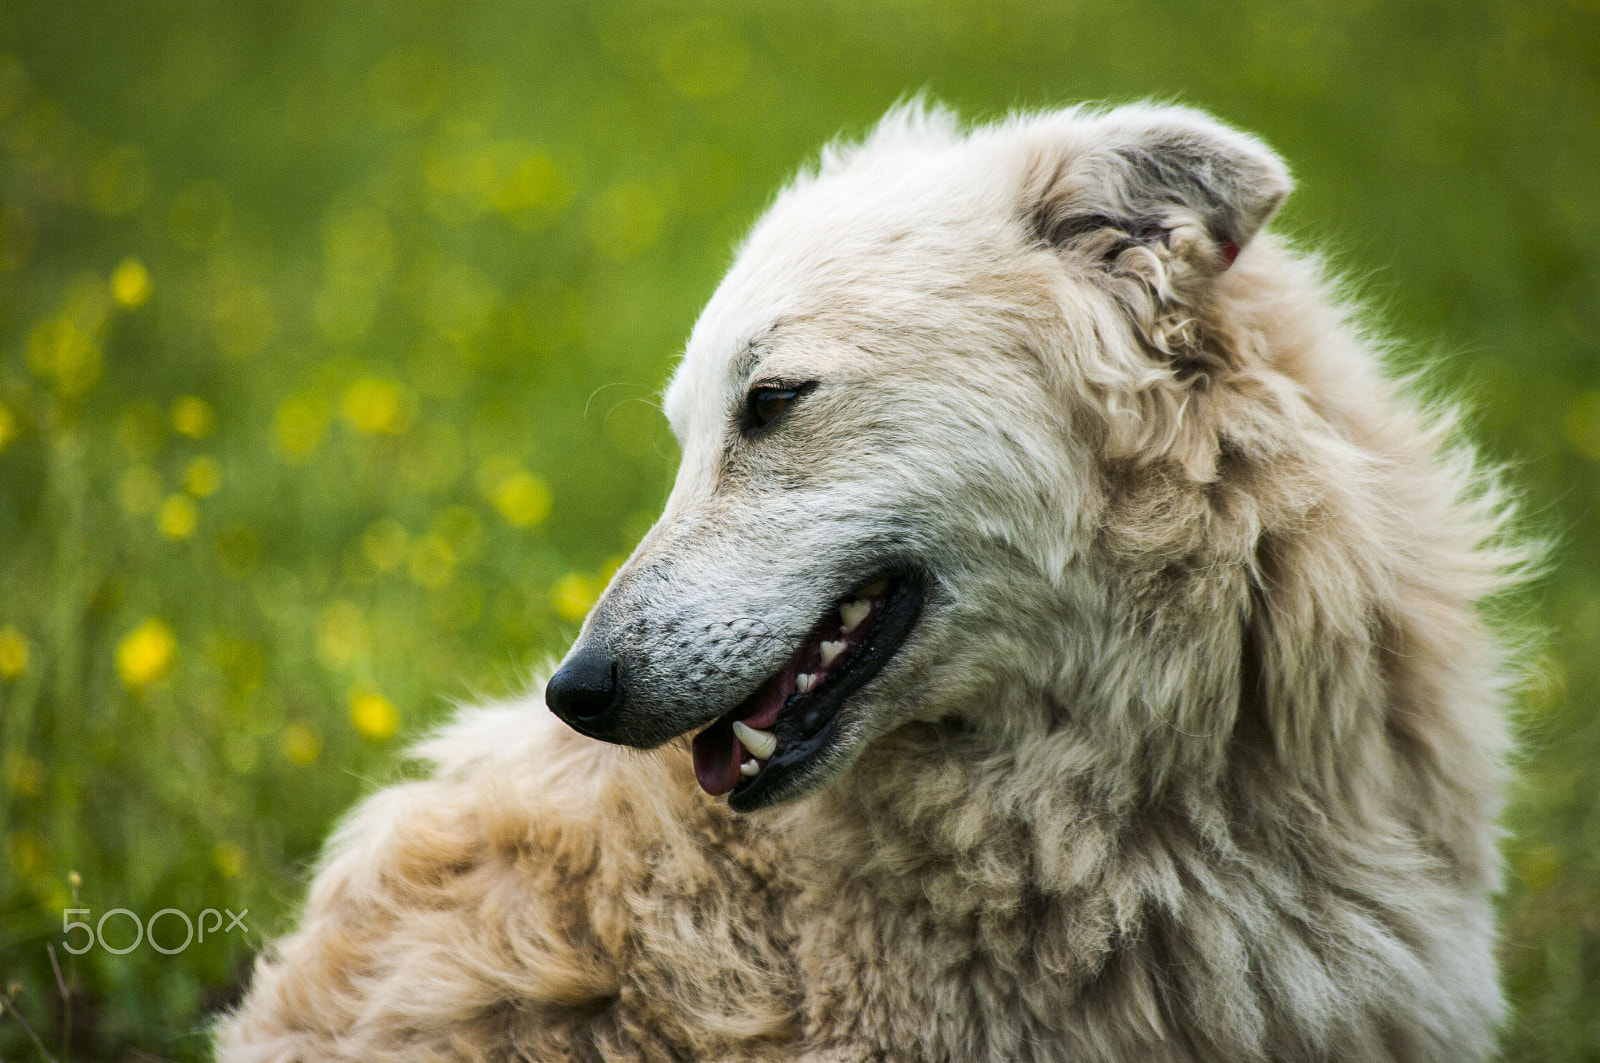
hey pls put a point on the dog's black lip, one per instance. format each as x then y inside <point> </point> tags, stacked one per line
<point>808,722</point>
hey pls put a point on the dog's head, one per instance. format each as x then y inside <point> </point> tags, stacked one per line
<point>891,415</point>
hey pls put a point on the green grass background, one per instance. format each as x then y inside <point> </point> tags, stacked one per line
<point>330,334</point>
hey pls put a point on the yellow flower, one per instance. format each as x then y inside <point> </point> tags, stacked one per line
<point>60,347</point>
<point>384,544</point>
<point>300,422</point>
<point>14,652</point>
<point>130,283</point>
<point>342,634</point>
<point>1583,424</point>
<point>521,497</point>
<point>9,428</point>
<point>301,744</point>
<point>704,58</point>
<point>461,527</point>
<point>531,183</point>
<point>28,854</point>
<point>140,489</point>
<point>192,416</point>
<point>145,655</point>
<point>24,774</point>
<point>432,560</point>
<point>373,405</point>
<point>177,517</point>
<point>202,477</point>
<point>374,715</point>
<point>228,859</point>
<point>573,595</point>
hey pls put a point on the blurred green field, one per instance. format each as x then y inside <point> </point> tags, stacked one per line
<point>330,335</point>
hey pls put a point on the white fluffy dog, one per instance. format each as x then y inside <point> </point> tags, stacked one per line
<point>1082,632</point>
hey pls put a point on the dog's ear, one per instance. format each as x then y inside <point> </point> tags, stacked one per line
<point>1152,205</point>
<point>1145,186</point>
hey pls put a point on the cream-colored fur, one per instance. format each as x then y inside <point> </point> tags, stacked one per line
<point>1194,753</point>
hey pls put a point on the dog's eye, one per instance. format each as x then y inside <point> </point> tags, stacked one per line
<point>767,402</point>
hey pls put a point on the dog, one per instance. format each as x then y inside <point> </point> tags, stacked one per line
<point>1062,641</point>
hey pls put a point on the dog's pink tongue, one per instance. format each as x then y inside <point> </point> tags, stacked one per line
<point>768,701</point>
<point>716,758</point>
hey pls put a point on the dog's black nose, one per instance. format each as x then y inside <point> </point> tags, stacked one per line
<point>585,691</point>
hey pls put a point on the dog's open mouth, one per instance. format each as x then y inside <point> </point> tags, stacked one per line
<point>791,717</point>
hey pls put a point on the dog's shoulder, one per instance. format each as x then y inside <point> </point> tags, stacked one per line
<point>502,875</point>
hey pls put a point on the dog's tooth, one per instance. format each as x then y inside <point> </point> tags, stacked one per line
<point>804,682</point>
<point>876,589</point>
<point>761,744</point>
<point>749,768</point>
<point>852,613</point>
<point>831,651</point>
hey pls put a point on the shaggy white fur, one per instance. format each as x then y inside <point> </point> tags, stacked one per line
<point>1193,751</point>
